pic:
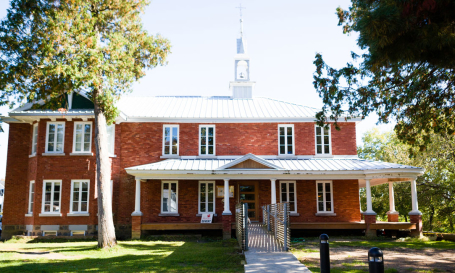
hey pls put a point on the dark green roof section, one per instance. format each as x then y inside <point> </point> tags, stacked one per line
<point>81,102</point>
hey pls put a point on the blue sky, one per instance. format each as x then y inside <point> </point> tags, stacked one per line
<point>283,38</point>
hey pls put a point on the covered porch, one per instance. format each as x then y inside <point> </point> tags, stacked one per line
<point>325,192</point>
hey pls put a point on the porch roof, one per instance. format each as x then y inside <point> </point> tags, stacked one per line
<point>310,168</point>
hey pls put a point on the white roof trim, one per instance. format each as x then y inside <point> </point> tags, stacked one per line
<point>252,157</point>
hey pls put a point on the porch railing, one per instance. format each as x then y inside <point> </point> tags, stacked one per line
<point>241,224</point>
<point>276,219</point>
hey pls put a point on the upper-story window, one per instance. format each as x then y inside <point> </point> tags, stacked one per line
<point>82,140</point>
<point>111,139</point>
<point>323,141</point>
<point>35,138</point>
<point>170,140</point>
<point>286,139</point>
<point>55,136</point>
<point>206,139</point>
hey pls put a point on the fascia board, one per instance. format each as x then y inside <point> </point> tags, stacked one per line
<point>225,120</point>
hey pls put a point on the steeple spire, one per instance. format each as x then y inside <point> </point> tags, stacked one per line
<point>242,87</point>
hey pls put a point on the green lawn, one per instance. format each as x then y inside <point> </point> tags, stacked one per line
<point>308,253</point>
<point>129,256</point>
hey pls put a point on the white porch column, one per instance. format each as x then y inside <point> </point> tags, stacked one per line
<point>415,205</point>
<point>273,187</point>
<point>369,210</point>
<point>360,202</point>
<point>226,211</point>
<point>391,200</point>
<point>137,201</point>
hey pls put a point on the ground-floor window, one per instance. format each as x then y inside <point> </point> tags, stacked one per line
<point>325,196</point>
<point>31,197</point>
<point>79,196</point>
<point>288,194</point>
<point>51,196</point>
<point>169,197</point>
<point>206,197</point>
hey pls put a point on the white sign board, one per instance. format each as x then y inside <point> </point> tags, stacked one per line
<point>207,218</point>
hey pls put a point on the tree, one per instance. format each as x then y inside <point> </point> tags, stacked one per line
<point>436,187</point>
<point>51,48</point>
<point>406,72</point>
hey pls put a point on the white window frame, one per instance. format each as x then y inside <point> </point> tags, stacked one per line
<point>83,135</point>
<point>324,197</point>
<point>214,140</point>
<point>55,137</point>
<point>322,141</point>
<point>35,140</point>
<point>285,126</point>
<point>52,197</point>
<point>80,197</point>
<point>169,198</point>
<point>30,199</point>
<point>287,193</point>
<point>178,139</point>
<point>113,140</point>
<point>206,197</point>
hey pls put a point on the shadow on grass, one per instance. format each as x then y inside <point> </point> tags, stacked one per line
<point>136,256</point>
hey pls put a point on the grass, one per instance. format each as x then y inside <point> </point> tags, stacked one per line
<point>128,256</point>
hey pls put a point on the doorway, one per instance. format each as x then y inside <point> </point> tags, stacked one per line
<point>248,193</point>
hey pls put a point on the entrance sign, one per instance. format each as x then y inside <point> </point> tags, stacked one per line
<point>207,218</point>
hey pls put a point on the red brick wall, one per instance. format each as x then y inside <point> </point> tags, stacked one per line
<point>141,143</point>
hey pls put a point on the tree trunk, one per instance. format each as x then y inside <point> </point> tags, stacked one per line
<point>106,230</point>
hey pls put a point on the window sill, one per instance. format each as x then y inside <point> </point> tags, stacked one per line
<point>77,214</point>
<point>82,154</point>
<point>326,214</point>
<point>32,155</point>
<point>29,215</point>
<point>53,154</point>
<point>169,214</point>
<point>170,156</point>
<point>50,215</point>
<point>206,156</point>
<point>112,156</point>
<point>200,215</point>
<point>323,156</point>
<point>294,214</point>
<point>287,156</point>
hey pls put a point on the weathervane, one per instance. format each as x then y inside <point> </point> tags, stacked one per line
<point>241,20</point>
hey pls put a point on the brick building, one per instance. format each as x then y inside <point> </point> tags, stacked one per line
<point>175,158</point>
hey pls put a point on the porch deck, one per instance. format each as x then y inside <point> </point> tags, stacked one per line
<point>294,225</point>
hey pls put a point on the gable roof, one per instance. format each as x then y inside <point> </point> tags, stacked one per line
<point>248,157</point>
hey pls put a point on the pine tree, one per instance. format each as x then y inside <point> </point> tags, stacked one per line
<point>50,48</point>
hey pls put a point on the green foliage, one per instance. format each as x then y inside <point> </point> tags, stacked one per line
<point>406,72</point>
<point>436,187</point>
<point>50,48</point>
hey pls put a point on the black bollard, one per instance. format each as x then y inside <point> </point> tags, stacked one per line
<point>375,260</point>
<point>324,252</point>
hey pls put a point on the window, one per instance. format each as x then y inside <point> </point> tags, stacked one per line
<point>49,233</point>
<point>54,137</point>
<point>31,197</point>
<point>79,196</point>
<point>170,140</point>
<point>286,139</point>
<point>169,197</point>
<point>325,197</point>
<point>206,197</point>
<point>35,138</point>
<point>111,139</point>
<point>323,141</point>
<point>207,139</point>
<point>51,196</point>
<point>78,233</point>
<point>82,141</point>
<point>288,194</point>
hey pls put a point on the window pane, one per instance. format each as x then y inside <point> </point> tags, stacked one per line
<point>210,131</point>
<point>203,141</point>
<point>320,197</point>
<point>210,188</point>
<point>47,208</point>
<point>251,214</point>
<point>210,207</point>
<point>326,139</point>
<point>173,203</point>
<point>165,209</point>
<point>283,187</point>
<point>289,140</point>
<point>281,131</point>
<point>319,149</point>
<point>210,150</point>
<point>203,132</point>
<point>326,131</point>
<point>318,140</point>
<point>59,133</point>
<point>78,146</point>
<point>59,147</point>
<point>291,187</point>
<point>174,140</point>
<point>84,196</point>
<point>203,150</point>
<point>202,206</point>
<point>326,149</point>
<point>319,187</point>
<point>321,206</point>
<point>167,135</point>
<point>111,137</point>
<point>84,207</point>
<point>249,188</point>
<point>282,150</point>
<point>174,132</point>
<point>174,150</point>
<point>289,131</point>
<point>318,130</point>
<point>166,150</point>
<point>282,140</point>
<point>247,197</point>
<point>283,197</point>
<point>292,206</point>
<point>87,137</point>
<point>203,196</point>
<point>327,187</point>
<point>289,149</point>
<point>329,206</point>
<point>291,197</point>
<point>87,147</point>
<point>210,141</point>
<point>75,196</point>
<point>75,206</point>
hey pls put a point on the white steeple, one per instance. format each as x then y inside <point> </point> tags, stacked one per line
<point>242,87</point>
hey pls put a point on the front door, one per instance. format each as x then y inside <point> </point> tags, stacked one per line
<point>248,193</point>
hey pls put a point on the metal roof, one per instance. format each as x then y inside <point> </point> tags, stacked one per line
<point>323,164</point>
<point>218,107</point>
